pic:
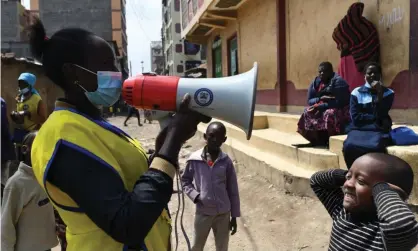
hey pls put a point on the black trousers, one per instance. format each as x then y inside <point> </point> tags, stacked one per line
<point>131,112</point>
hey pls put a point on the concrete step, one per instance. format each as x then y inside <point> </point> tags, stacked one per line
<point>276,170</point>
<point>407,153</point>
<point>270,151</point>
<point>283,122</point>
<point>280,144</point>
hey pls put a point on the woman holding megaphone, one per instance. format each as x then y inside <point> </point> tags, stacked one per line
<point>95,174</point>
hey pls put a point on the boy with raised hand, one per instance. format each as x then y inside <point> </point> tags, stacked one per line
<point>215,192</point>
<point>369,212</point>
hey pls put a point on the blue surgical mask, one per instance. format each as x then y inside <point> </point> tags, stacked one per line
<point>109,88</point>
<point>24,90</point>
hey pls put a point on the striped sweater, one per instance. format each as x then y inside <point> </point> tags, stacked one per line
<point>393,228</point>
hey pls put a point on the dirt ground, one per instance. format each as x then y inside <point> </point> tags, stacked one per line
<point>271,219</point>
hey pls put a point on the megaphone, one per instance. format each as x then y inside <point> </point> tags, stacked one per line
<point>231,99</point>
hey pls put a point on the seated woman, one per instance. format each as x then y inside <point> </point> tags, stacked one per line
<point>327,114</point>
<point>371,123</point>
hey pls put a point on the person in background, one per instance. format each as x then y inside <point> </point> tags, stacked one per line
<point>216,193</point>
<point>109,201</point>
<point>132,111</point>
<point>30,112</point>
<point>328,111</point>
<point>27,216</point>
<point>148,116</point>
<point>60,229</point>
<point>371,123</point>
<point>7,148</point>
<point>369,212</point>
<point>358,41</point>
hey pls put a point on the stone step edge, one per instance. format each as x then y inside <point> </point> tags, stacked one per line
<point>287,180</point>
<point>312,158</point>
<point>292,179</point>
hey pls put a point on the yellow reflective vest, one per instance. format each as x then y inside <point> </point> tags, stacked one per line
<point>113,147</point>
<point>30,105</point>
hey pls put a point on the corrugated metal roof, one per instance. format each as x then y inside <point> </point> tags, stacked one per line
<point>9,58</point>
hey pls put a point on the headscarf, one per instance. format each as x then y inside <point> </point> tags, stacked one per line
<point>357,35</point>
<point>30,79</point>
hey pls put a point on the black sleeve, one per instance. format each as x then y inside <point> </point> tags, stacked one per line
<point>397,222</point>
<point>327,187</point>
<point>99,191</point>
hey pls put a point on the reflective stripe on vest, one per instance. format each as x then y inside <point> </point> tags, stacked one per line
<point>110,146</point>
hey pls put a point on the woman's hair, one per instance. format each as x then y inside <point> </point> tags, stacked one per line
<point>65,46</point>
<point>379,68</point>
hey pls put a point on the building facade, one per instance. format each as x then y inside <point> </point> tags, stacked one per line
<point>157,57</point>
<point>105,18</point>
<point>180,54</point>
<point>288,41</point>
<point>14,18</point>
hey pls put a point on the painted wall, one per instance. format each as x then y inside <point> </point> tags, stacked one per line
<point>256,32</point>
<point>309,27</point>
<point>312,37</point>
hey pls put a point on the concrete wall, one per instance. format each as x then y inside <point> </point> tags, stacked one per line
<point>256,32</point>
<point>10,21</point>
<point>310,37</point>
<point>309,41</point>
<point>10,71</point>
<point>92,15</point>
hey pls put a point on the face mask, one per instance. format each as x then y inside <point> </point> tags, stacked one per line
<point>109,88</point>
<point>24,90</point>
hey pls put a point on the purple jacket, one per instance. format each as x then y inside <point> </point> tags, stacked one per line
<point>217,186</point>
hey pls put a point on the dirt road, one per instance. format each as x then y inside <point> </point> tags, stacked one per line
<point>271,219</point>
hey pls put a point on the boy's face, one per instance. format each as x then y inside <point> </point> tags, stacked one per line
<point>26,150</point>
<point>215,137</point>
<point>361,178</point>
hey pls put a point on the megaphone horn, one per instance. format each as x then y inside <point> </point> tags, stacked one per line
<point>231,99</point>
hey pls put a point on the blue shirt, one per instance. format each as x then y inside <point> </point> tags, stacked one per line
<point>366,111</point>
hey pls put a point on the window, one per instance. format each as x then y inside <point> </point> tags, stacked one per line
<point>177,5</point>
<point>233,56</point>
<point>217,57</point>
<point>180,68</point>
<point>203,52</point>
<point>178,28</point>
<point>179,48</point>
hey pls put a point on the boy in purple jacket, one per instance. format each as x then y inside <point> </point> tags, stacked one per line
<point>215,192</point>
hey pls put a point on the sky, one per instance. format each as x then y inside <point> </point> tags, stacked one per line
<point>143,25</point>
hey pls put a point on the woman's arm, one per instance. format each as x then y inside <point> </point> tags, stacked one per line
<point>383,107</point>
<point>341,95</point>
<point>312,99</point>
<point>358,118</point>
<point>397,222</point>
<point>42,113</point>
<point>327,187</point>
<point>99,191</point>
